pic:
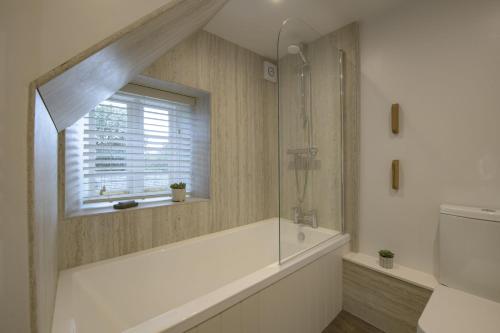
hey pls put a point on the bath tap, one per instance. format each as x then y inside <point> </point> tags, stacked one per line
<point>308,217</point>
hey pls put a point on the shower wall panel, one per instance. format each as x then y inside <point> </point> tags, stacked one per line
<point>324,189</point>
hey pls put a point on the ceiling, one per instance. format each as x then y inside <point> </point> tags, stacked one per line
<point>254,24</point>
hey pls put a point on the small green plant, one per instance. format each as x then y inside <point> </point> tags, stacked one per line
<point>386,254</point>
<point>178,186</point>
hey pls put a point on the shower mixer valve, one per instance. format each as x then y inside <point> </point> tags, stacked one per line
<point>307,217</point>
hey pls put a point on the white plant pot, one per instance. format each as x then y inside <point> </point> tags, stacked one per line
<point>178,195</point>
<point>386,262</point>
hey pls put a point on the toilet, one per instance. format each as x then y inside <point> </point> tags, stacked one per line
<point>467,300</point>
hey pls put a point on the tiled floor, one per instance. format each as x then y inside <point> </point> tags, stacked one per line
<point>347,323</point>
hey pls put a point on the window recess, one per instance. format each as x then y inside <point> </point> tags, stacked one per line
<point>134,145</point>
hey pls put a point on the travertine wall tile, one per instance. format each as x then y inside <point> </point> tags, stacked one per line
<point>176,223</point>
<point>88,239</point>
<point>323,192</point>
<point>389,304</point>
<point>42,207</point>
<point>243,178</point>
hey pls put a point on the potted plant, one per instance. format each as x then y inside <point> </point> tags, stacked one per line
<point>386,258</point>
<point>178,191</point>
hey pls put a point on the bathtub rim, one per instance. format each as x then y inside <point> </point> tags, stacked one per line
<point>193,240</point>
<point>209,305</point>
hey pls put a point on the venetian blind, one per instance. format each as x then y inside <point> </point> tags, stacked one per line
<point>136,145</point>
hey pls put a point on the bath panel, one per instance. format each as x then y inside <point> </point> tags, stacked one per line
<point>305,301</point>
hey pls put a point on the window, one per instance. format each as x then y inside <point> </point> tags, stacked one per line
<point>135,144</point>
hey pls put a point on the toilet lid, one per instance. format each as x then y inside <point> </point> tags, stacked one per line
<point>453,311</point>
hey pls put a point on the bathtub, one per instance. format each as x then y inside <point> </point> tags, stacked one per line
<point>174,288</point>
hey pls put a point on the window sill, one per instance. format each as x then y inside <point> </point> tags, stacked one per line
<point>142,205</point>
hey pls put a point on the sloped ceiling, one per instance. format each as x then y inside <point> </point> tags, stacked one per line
<point>254,24</point>
<point>72,89</point>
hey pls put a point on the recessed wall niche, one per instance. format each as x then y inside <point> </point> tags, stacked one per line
<point>74,152</point>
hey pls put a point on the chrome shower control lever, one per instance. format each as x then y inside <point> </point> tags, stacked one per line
<point>308,218</point>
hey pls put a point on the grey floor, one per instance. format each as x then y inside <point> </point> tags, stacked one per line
<point>347,323</point>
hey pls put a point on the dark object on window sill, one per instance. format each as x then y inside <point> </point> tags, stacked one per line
<point>126,204</point>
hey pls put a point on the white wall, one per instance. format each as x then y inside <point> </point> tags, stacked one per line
<point>441,61</point>
<point>69,27</point>
<point>36,35</point>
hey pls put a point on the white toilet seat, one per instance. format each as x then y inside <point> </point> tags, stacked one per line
<point>453,311</point>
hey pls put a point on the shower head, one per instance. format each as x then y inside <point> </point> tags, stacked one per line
<point>295,49</point>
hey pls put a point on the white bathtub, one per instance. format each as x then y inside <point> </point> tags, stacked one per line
<point>176,287</point>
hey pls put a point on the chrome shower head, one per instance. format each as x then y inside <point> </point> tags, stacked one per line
<point>295,49</point>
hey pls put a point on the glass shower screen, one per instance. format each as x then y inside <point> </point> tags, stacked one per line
<point>310,137</point>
